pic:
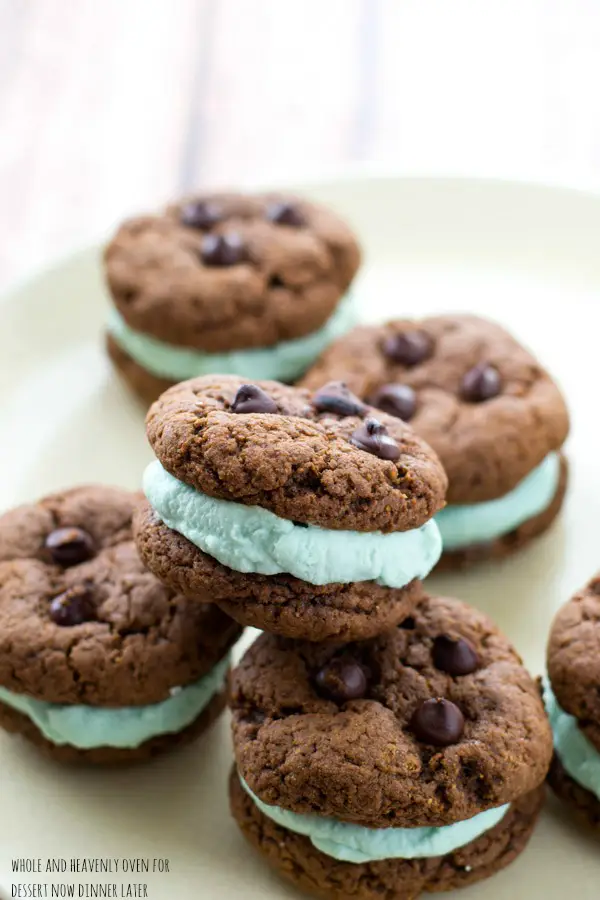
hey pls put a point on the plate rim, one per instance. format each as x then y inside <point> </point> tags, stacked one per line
<point>364,173</point>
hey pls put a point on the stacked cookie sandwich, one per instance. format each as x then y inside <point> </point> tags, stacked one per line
<point>491,412</point>
<point>236,283</point>
<point>99,662</point>
<point>305,514</point>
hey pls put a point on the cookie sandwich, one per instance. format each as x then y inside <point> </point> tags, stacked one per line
<point>99,662</point>
<point>491,412</point>
<point>306,514</point>
<point>573,703</point>
<point>408,763</point>
<point>253,285</point>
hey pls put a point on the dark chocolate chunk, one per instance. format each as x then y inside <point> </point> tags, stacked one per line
<point>373,437</point>
<point>286,214</point>
<point>456,656</point>
<point>439,722</point>
<point>342,680</point>
<point>69,546</point>
<point>408,348</point>
<point>223,249</point>
<point>335,397</point>
<point>73,607</point>
<point>395,399</point>
<point>252,399</point>
<point>201,214</point>
<point>481,383</point>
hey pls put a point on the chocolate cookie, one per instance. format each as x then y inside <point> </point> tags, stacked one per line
<point>571,695</point>
<point>417,755</point>
<point>99,661</point>
<point>301,514</point>
<point>296,455</point>
<point>231,282</point>
<point>486,406</point>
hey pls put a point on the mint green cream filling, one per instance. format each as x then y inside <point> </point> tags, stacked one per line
<point>579,757</point>
<point>283,362</point>
<point>87,727</point>
<point>357,844</point>
<point>253,539</point>
<point>477,523</point>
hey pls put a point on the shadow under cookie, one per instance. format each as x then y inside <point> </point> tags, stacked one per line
<point>147,386</point>
<point>515,540</point>
<point>19,724</point>
<point>295,857</point>
<point>584,804</point>
<point>280,604</point>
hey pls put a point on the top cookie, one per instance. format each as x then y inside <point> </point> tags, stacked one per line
<point>82,620</point>
<point>318,459</point>
<point>278,273</point>
<point>482,401</point>
<point>574,655</point>
<point>425,725</point>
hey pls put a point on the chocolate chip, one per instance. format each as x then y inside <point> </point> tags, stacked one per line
<point>439,722</point>
<point>373,437</point>
<point>408,624</point>
<point>201,214</point>
<point>481,383</point>
<point>342,680</point>
<point>223,249</point>
<point>69,546</point>
<point>73,607</point>
<point>408,348</point>
<point>395,399</point>
<point>286,214</point>
<point>456,656</point>
<point>252,399</point>
<point>335,397</point>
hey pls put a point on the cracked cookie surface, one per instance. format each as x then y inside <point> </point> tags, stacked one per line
<point>489,429</point>
<point>359,759</point>
<point>297,462</point>
<point>282,279</point>
<point>137,639</point>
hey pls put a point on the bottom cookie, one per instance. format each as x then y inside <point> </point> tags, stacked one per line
<point>147,386</point>
<point>513,541</point>
<point>279,604</point>
<point>297,859</point>
<point>19,724</point>
<point>585,805</point>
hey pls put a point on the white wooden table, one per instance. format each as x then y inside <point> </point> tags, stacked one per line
<point>108,107</point>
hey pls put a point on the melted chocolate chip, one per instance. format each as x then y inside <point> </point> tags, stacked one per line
<point>286,214</point>
<point>69,546</point>
<point>408,348</point>
<point>223,249</point>
<point>252,399</point>
<point>439,722</point>
<point>342,680</point>
<point>481,383</point>
<point>73,607</point>
<point>201,214</point>
<point>373,437</point>
<point>336,398</point>
<point>396,399</point>
<point>456,656</point>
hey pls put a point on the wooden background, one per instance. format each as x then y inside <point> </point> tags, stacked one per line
<point>107,107</point>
